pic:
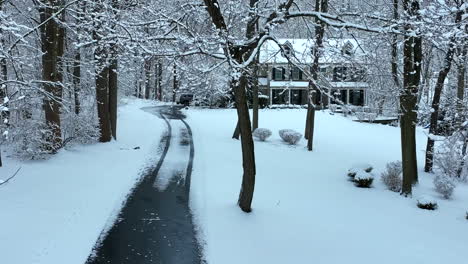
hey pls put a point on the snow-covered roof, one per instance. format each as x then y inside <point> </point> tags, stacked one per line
<point>302,48</point>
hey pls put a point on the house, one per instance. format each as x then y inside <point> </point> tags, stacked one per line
<point>341,72</point>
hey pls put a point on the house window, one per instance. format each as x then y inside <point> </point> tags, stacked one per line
<point>298,96</point>
<point>278,74</point>
<point>357,75</point>
<point>339,74</point>
<point>356,97</point>
<point>343,96</point>
<point>296,74</point>
<point>279,96</point>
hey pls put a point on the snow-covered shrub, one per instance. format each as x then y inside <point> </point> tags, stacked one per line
<point>290,136</point>
<point>450,158</point>
<point>427,203</point>
<point>372,117</point>
<point>333,107</point>
<point>80,129</point>
<point>262,134</point>
<point>392,176</point>
<point>444,185</point>
<point>363,179</point>
<point>361,116</point>
<point>352,172</point>
<point>28,138</point>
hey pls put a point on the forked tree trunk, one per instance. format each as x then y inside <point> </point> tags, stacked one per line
<point>52,38</point>
<point>412,57</point>
<point>436,99</point>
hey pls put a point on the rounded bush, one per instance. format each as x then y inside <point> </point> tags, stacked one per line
<point>444,185</point>
<point>392,176</point>
<point>427,203</point>
<point>363,179</point>
<point>290,136</point>
<point>262,134</point>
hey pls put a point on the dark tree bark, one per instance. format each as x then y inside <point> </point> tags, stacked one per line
<point>412,58</point>
<point>77,81</point>
<point>236,134</point>
<point>102,98</point>
<point>461,75</point>
<point>147,67</point>
<point>157,79</point>
<point>113,92</point>
<point>436,99</point>
<point>52,41</point>
<point>320,6</point>
<point>239,54</point>
<point>255,105</point>
<point>174,83</point>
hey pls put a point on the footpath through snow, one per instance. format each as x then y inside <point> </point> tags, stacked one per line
<point>54,210</point>
<point>305,210</point>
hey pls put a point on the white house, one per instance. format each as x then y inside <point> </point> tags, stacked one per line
<point>342,72</point>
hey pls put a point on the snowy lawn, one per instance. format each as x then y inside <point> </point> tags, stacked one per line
<point>305,210</point>
<point>54,210</point>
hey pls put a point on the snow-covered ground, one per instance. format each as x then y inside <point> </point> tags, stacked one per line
<point>305,210</point>
<point>54,210</point>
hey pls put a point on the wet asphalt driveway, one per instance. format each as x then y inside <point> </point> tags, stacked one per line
<point>155,225</point>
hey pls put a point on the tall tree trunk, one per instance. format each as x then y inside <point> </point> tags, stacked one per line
<point>436,98</point>
<point>248,154</point>
<point>174,83</point>
<point>77,81</point>
<point>461,73</point>
<point>102,98</point>
<point>255,105</point>
<point>147,67</point>
<point>52,39</point>
<point>412,57</point>
<point>157,79</point>
<point>113,92</point>
<point>320,6</point>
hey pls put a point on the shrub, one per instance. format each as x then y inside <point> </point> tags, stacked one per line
<point>427,203</point>
<point>392,176</point>
<point>290,136</point>
<point>444,185</point>
<point>363,179</point>
<point>352,172</point>
<point>262,133</point>
<point>466,216</point>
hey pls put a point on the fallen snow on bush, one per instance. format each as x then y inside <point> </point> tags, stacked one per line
<point>290,136</point>
<point>392,176</point>
<point>444,185</point>
<point>262,133</point>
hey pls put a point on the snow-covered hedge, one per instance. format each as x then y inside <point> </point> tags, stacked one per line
<point>427,203</point>
<point>363,179</point>
<point>392,176</point>
<point>290,136</point>
<point>262,134</point>
<point>444,185</point>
